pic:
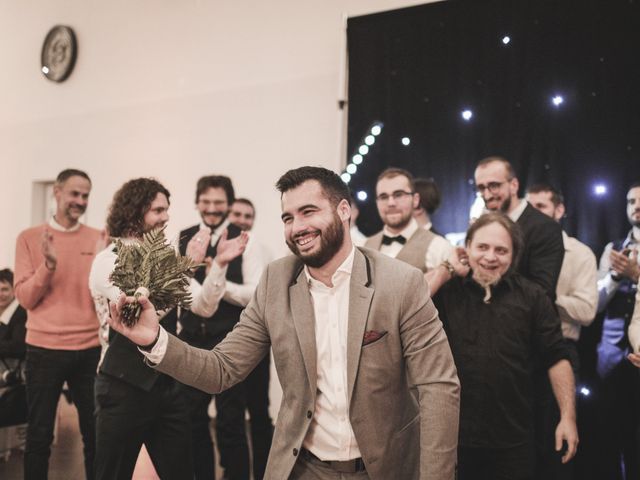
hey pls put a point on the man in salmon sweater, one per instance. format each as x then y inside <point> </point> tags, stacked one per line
<point>51,282</point>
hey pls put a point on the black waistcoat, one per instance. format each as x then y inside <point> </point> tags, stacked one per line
<point>208,332</point>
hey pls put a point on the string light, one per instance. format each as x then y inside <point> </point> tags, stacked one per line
<point>358,158</point>
<point>406,141</point>
<point>467,114</point>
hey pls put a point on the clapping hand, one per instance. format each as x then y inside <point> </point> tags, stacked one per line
<point>625,265</point>
<point>197,246</point>
<point>227,250</point>
<point>49,250</point>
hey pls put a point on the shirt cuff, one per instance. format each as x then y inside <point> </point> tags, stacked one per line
<point>156,354</point>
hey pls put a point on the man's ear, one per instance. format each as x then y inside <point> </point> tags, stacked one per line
<point>344,210</point>
<point>514,186</point>
<point>559,212</point>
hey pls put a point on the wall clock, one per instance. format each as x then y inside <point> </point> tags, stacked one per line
<point>59,53</point>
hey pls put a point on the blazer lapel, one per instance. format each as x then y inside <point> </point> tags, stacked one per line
<point>304,322</point>
<point>360,296</point>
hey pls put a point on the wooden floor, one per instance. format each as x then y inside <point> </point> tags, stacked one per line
<point>66,462</point>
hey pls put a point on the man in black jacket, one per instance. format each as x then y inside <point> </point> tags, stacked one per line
<point>214,196</point>
<point>543,252</point>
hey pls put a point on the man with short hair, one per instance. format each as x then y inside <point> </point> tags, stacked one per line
<point>346,326</point>
<point>242,214</point>
<point>52,268</point>
<point>214,195</point>
<point>576,292</point>
<point>543,251</point>
<point>401,237</point>
<point>134,405</point>
<point>430,199</point>
<point>497,322</point>
<point>620,390</point>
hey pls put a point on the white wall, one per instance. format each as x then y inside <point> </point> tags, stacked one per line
<point>173,89</point>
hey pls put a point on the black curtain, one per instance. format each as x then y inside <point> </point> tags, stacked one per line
<point>416,69</point>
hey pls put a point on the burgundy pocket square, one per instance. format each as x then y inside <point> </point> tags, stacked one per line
<point>371,336</point>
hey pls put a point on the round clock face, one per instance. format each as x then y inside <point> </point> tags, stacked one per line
<point>59,53</point>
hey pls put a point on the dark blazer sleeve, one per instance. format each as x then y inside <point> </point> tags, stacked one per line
<point>543,251</point>
<point>12,344</point>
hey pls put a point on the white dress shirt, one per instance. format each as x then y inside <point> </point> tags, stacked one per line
<point>576,293</point>
<point>517,212</point>
<point>253,263</point>
<point>439,249</point>
<point>5,317</point>
<point>330,436</point>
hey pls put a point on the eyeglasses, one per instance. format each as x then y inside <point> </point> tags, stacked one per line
<point>493,187</point>
<point>397,196</point>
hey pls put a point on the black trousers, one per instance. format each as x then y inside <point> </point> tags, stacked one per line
<point>253,395</point>
<point>46,371</point>
<point>128,417</point>
<point>618,406</point>
<point>515,463</point>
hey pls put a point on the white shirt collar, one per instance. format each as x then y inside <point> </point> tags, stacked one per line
<point>215,232</point>
<point>427,226</point>
<point>516,212</point>
<point>343,270</point>
<point>408,231</point>
<point>9,311</point>
<point>56,226</point>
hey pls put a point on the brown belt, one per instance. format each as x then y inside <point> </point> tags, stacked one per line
<point>343,466</point>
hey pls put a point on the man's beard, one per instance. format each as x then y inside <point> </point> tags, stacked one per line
<point>331,240</point>
<point>219,218</point>
<point>485,279</point>
<point>402,223</point>
<point>506,205</point>
<point>71,209</point>
<point>634,222</point>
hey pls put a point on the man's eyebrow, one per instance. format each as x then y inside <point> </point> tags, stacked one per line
<point>299,209</point>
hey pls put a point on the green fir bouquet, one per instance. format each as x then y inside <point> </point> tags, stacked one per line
<point>154,268</point>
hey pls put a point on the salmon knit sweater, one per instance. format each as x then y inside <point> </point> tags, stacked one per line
<point>60,310</point>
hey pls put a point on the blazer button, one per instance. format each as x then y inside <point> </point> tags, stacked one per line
<point>295,452</point>
<point>309,414</point>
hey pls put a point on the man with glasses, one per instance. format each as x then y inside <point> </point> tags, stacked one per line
<point>543,251</point>
<point>401,237</point>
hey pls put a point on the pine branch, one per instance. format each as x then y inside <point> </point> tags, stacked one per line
<point>152,264</point>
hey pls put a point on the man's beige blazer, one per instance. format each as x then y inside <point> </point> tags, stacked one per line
<point>399,437</point>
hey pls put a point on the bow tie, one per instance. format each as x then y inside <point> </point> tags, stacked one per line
<point>389,240</point>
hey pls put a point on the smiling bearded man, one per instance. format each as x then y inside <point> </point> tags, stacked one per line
<point>348,328</point>
<point>497,322</point>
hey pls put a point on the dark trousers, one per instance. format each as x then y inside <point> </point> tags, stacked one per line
<point>618,405</point>
<point>127,417</point>
<point>251,394</point>
<point>549,464</point>
<point>46,371</point>
<point>515,463</point>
